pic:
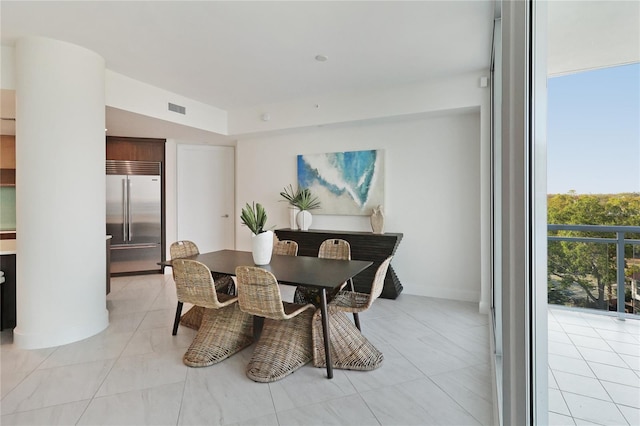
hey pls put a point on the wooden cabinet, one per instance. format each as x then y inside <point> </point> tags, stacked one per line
<point>7,160</point>
<point>364,246</point>
<point>7,152</point>
<point>135,149</point>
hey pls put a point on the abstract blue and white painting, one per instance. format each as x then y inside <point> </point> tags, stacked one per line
<point>347,183</point>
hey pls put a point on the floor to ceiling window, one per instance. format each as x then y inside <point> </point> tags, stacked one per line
<point>593,212</point>
<point>538,40</point>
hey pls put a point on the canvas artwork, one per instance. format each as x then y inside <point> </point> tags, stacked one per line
<point>346,183</point>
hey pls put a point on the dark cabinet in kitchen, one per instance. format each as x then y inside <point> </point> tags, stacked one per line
<point>8,291</point>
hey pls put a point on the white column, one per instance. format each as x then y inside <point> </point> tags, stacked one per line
<point>60,193</point>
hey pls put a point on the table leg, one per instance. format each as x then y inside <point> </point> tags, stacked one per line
<point>325,331</point>
<point>356,319</point>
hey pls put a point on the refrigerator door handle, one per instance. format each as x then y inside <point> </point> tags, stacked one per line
<point>129,221</point>
<point>133,246</point>
<point>124,209</point>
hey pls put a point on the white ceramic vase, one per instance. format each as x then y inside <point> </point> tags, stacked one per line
<point>262,247</point>
<point>293,217</point>
<point>304,219</point>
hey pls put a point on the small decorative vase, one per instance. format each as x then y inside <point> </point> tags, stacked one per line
<point>293,215</point>
<point>304,219</point>
<point>377,220</point>
<point>262,247</point>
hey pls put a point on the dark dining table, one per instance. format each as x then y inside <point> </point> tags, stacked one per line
<point>306,271</point>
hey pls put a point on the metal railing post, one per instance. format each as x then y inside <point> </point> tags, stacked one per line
<point>620,273</point>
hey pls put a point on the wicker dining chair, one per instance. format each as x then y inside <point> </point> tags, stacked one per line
<point>224,329</point>
<point>224,284</point>
<point>355,302</point>
<point>350,350</point>
<point>285,248</point>
<point>285,343</point>
<point>333,248</point>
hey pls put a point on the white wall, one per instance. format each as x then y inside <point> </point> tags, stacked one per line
<point>432,188</point>
<point>7,75</point>
<point>131,95</point>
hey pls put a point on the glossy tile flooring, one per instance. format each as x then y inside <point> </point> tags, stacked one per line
<point>436,372</point>
<point>594,369</point>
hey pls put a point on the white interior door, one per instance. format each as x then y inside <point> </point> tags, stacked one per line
<point>205,196</point>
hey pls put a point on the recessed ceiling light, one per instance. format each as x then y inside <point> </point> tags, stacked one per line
<point>321,58</point>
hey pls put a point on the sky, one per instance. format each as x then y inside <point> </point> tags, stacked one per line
<point>593,131</point>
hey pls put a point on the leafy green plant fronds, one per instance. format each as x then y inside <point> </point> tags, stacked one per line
<point>254,217</point>
<point>307,201</point>
<point>301,198</point>
<point>290,195</point>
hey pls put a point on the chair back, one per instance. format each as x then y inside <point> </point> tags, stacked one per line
<point>258,293</point>
<point>194,283</point>
<point>378,281</point>
<point>285,248</point>
<point>335,248</point>
<point>181,249</point>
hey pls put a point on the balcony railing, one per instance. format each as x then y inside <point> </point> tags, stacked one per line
<point>600,270</point>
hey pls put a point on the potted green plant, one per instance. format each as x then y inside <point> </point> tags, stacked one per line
<point>292,198</point>
<point>301,201</point>
<point>254,217</point>
<point>307,201</point>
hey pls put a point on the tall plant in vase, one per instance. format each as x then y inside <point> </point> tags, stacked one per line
<point>306,202</point>
<point>291,197</point>
<point>254,217</point>
<point>301,201</point>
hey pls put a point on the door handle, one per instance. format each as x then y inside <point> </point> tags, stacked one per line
<point>124,210</point>
<point>225,215</point>
<point>129,224</point>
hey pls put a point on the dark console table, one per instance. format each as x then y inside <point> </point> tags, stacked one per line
<point>364,246</point>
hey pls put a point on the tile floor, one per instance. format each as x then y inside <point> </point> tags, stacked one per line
<point>436,372</point>
<point>594,369</point>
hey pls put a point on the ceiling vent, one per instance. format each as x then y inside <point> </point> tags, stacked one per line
<point>177,108</point>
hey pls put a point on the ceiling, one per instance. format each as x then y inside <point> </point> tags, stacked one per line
<point>241,54</point>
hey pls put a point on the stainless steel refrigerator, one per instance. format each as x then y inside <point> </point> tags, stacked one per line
<point>134,215</point>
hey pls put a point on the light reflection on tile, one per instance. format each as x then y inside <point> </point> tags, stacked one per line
<point>63,414</point>
<point>159,405</point>
<point>350,410</point>
<point>419,402</point>
<point>55,386</point>
<point>435,370</point>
